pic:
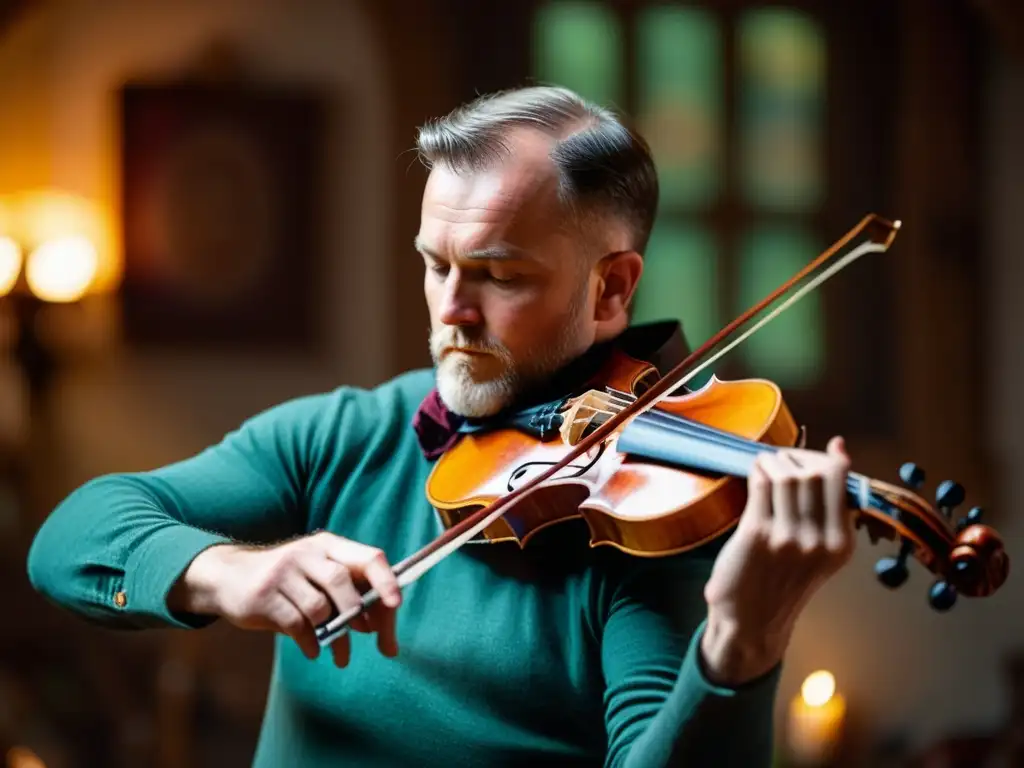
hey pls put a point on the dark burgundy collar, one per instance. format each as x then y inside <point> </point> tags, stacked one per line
<point>436,427</point>
<point>661,344</point>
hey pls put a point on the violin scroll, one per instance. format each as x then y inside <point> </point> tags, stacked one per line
<point>967,556</point>
<point>979,562</point>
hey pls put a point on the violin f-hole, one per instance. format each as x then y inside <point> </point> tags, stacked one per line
<point>577,469</point>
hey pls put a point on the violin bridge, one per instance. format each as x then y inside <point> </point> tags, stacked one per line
<point>585,414</point>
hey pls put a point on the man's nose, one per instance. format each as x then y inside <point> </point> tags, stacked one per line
<point>459,304</point>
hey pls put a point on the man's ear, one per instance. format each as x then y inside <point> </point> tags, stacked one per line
<point>618,275</point>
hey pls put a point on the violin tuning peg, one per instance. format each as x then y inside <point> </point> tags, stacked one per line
<point>912,475</point>
<point>892,571</point>
<point>949,495</point>
<point>973,517</point>
<point>942,596</point>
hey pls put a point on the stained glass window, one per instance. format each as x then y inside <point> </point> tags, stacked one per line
<point>781,79</point>
<point>791,348</point>
<point>768,121</point>
<point>578,44</point>
<point>680,280</point>
<point>679,101</point>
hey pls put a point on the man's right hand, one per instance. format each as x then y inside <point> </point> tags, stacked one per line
<point>292,588</point>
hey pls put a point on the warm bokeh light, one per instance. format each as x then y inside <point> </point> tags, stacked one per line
<point>61,270</point>
<point>10,264</point>
<point>36,217</point>
<point>818,688</point>
<point>23,757</point>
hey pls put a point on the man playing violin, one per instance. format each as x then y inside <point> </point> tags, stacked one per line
<point>535,216</point>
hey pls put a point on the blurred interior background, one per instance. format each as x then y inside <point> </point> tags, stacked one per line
<point>207,207</point>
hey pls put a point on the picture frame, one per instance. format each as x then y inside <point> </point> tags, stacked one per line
<point>221,204</point>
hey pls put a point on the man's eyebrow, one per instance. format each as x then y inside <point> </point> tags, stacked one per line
<point>493,252</point>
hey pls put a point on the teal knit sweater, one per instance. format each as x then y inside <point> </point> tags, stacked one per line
<point>559,654</point>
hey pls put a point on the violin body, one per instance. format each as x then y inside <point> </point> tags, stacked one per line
<point>642,507</point>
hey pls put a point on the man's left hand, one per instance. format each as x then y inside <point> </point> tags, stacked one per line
<point>795,533</point>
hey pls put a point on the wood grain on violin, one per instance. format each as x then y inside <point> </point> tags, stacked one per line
<point>641,504</point>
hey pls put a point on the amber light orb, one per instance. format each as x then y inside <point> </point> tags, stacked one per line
<point>10,264</point>
<point>61,270</point>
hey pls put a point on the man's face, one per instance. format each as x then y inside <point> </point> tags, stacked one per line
<point>506,283</point>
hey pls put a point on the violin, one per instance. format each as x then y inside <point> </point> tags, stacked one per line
<point>655,474</point>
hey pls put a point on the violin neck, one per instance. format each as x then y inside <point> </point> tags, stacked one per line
<point>684,444</point>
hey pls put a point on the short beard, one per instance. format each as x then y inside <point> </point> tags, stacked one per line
<point>466,390</point>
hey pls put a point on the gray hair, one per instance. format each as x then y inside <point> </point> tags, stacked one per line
<point>605,168</point>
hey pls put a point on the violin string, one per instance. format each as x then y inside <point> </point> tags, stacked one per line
<point>683,426</point>
<point>858,485</point>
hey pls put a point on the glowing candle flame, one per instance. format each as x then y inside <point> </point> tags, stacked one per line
<point>818,688</point>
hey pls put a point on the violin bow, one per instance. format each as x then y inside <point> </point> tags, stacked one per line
<point>873,234</point>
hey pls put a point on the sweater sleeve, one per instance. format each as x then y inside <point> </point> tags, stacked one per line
<point>661,709</point>
<point>111,551</point>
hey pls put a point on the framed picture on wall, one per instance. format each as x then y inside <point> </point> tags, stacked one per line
<point>221,195</point>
